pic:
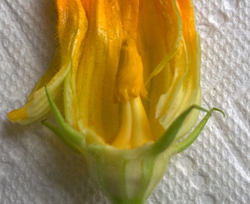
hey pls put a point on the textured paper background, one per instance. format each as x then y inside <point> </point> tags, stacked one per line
<point>35,167</point>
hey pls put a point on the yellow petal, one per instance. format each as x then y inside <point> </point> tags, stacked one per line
<point>72,28</point>
<point>98,67</point>
<point>71,16</point>
<point>185,67</point>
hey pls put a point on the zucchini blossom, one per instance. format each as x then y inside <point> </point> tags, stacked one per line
<point>126,76</point>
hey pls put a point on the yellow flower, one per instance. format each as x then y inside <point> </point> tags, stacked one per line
<point>128,72</point>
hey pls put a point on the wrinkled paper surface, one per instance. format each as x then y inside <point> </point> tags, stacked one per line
<point>36,168</point>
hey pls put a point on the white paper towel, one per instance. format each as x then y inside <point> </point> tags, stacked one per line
<point>35,167</point>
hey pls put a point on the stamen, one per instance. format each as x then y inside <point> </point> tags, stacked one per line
<point>129,88</point>
<point>129,78</point>
<point>123,139</point>
<point>141,131</point>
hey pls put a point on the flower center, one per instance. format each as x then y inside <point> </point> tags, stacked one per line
<point>129,89</point>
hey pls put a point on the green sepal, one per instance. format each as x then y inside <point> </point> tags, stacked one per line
<point>65,132</point>
<point>170,134</point>
<point>62,136</point>
<point>185,143</point>
<point>168,138</point>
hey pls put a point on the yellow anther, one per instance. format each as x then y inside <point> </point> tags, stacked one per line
<point>129,78</point>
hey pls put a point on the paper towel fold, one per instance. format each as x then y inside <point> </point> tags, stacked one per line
<point>35,167</point>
